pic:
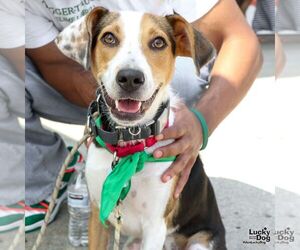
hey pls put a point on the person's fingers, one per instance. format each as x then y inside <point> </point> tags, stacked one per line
<point>185,176</point>
<point>182,181</point>
<point>172,149</point>
<point>173,132</point>
<point>177,166</point>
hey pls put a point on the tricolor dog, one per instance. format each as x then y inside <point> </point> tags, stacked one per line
<point>132,56</point>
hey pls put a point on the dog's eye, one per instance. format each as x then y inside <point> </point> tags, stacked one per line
<point>158,43</point>
<point>109,39</point>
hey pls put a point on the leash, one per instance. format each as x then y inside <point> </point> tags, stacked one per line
<point>17,237</point>
<point>118,226</point>
<point>56,189</point>
<point>117,211</point>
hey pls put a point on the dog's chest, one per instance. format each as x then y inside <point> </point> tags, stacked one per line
<point>148,196</point>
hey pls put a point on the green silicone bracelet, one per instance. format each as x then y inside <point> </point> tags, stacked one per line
<point>204,127</point>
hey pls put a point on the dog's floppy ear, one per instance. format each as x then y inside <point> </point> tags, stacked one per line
<point>190,42</point>
<point>76,39</point>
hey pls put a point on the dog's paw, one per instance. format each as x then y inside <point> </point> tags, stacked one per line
<point>170,244</point>
<point>197,247</point>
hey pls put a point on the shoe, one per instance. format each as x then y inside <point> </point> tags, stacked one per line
<point>11,217</point>
<point>76,161</point>
<point>35,214</point>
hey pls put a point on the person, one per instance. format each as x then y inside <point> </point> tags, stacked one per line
<point>287,18</point>
<point>12,88</point>
<point>287,23</point>
<point>264,18</point>
<point>59,89</point>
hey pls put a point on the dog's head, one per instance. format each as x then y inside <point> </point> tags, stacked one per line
<point>132,56</point>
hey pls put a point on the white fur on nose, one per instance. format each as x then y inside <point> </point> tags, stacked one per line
<point>130,55</point>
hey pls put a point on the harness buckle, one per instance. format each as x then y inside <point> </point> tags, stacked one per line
<point>134,133</point>
<point>115,160</point>
<point>88,123</point>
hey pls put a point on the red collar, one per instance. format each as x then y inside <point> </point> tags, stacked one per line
<point>129,149</point>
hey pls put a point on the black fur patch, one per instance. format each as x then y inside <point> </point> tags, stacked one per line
<point>82,53</point>
<point>204,50</point>
<point>68,47</point>
<point>198,209</point>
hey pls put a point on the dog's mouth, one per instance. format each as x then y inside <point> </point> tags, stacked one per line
<point>128,108</point>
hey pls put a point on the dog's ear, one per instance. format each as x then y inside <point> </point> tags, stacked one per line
<point>76,39</point>
<point>190,42</point>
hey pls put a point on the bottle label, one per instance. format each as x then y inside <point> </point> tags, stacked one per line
<point>78,200</point>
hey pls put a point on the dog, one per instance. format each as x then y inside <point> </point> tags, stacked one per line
<point>132,57</point>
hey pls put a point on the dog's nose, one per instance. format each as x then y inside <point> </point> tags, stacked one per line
<point>130,79</point>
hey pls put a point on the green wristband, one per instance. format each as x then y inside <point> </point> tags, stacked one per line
<point>204,127</point>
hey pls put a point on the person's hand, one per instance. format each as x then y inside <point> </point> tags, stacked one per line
<point>187,133</point>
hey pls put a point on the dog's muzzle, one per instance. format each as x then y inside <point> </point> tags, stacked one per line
<point>113,134</point>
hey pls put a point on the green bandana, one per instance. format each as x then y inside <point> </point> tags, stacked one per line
<point>117,184</point>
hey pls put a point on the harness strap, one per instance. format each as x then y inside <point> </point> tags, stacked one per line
<point>131,149</point>
<point>117,184</point>
<point>113,134</point>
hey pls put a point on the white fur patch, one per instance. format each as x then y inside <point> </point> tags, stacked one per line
<point>144,207</point>
<point>73,42</point>
<point>198,247</point>
<point>129,55</point>
<point>170,243</point>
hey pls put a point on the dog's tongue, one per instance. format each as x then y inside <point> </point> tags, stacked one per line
<point>128,106</point>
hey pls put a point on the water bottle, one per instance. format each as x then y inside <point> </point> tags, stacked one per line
<point>79,208</point>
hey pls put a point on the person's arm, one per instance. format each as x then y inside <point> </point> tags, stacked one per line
<point>65,75</point>
<point>237,65</point>
<point>16,57</point>
<point>280,57</point>
<point>238,62</point>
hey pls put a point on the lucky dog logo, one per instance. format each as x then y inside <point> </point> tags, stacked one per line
<point>285,236</point>
<point>258,236</point>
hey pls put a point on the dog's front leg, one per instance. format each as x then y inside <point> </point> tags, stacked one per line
<point>98,234</point>
<point>154,235</point>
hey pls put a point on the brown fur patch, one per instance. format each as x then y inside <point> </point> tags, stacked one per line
<point>180,241</point>
<point>102,54</point>
<point>98,234</point>
<point>190,42</point>
<point>160,61</point>
<point>172,206</point>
